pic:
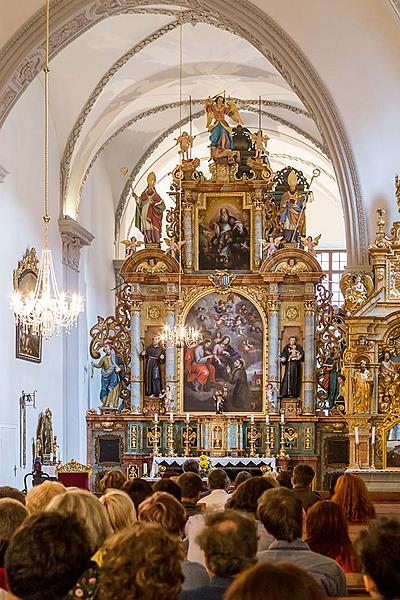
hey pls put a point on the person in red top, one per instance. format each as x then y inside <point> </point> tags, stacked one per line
<point>327,533</point>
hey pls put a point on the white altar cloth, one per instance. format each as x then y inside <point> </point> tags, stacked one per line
<point>379,480</point>
<point>215,461</point>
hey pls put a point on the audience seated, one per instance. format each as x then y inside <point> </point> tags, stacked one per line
<point>218,484</point>
<point>120,509</point>
<point>46,556</point>
<point>6,491</point>
<point>137,489</point>
<point>165,510</point>
<point>12,515</point>
<point>241,477</point>
<point>142,563</point>
<point>284,479</point>
<point>191,465</point>
<point>302,479</point>
<point>281,513</point>
<point>114,479</point>
<point>169,486</point>
<point>327,533</point>
<point>271,478</point>
<point>191,487</point>
<point>245,498</point>
<point>352,496</point>
<point>332,484</point>
<point>38,498</point>
<point>281,581</point>
<point>379,549</point>
<point>229,543</point>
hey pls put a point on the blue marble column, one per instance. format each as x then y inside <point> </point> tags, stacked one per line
<point>258,228</point>
<point>309,357</point>
<point>170,357</point>
<point>135,357</point>
<point>188,234</point>
<point>273,350</point>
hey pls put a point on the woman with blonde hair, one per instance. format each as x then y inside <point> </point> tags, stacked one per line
<point>120,509</point>
<point>39,496</point>
<point>114,479</point>
<point>352,496</point>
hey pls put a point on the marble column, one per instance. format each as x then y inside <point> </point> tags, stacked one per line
<point>309,358</point>
<point>75,404</point>
<point>273,348</point>
<point>135,357</point>
<point>258,228</point>
<point>170,355</point>
<point>188,236</point>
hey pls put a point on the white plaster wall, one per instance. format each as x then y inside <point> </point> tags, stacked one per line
<point>21,205</point>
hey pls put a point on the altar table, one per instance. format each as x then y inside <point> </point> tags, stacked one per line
<point>379,480</point>
<point>221,461</point>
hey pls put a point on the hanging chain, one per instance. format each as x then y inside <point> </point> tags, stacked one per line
<point>180,160</point>
<point>46,217</point>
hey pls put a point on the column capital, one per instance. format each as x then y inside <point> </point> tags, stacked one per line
<point>74,237</point>
<point>273,306</point>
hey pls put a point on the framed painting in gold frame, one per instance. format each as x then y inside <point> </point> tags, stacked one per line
<point>28,346</point>
<point>391,445</point>
<point>223,232</point>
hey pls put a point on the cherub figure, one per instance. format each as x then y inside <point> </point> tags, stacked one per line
<point>311,243</point>
<point>260,142</point>
<point>219,399</point>
<point>173,246</point>
<point>131,245</point>
<point>270,246</point>
<point>185,141</point>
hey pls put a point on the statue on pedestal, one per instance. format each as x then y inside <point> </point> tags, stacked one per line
<point>112,373</point>
<point>362,389</point>
<point>291,211</point>
<point>217,109</point>
<point>292,356</point>
<point>154,356</point>
<point>149,212</point>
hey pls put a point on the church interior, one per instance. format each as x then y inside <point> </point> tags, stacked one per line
<point>201,240</point>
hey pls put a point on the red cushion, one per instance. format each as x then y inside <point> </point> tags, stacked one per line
<point>80,480</point>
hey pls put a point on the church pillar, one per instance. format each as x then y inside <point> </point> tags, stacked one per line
<point>73,445</point>
<point>187,232</point>
<point>273,349</point>
<point>258,228</point>
<point>170,357</point>
<point>135,356</point>
<point>309,356</point>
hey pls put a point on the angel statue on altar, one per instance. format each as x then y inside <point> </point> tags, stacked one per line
<point>217,110</point>
<point>149,212</point>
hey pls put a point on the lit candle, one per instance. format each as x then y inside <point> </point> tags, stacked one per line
<point>252,418</point>
<point>282,418</point>
<point>155,417</point>
<point>356,434</point>
<point>373,435</point>
<point>267,419</point>
<point>187,417</point>
<point>171,417</point>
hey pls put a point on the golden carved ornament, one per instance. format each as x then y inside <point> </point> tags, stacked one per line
<point>356,289</point>
<point>273,305</point>
<point>74,467</point>
<point>260,294</point>
<point>291,267</point>
<point>363,425</point>
<point>307,438</point>
<point>397,185</point>
<point>309,307</point>
<point>222,281</point>
<point>29,262</point>
<point>381,239</point>
<point>292,313</point>
<point>393,275</point>
<point>153,266</point>
<point>154,313</point>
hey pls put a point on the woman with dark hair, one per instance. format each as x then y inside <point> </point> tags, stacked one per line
<point>245,498</point>
<point>137,489</point>
<point>327,516</point>
<point>282,581</point>
<point>352,496</point>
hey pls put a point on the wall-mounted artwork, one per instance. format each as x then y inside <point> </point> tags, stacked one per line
<point>224,232</point>
<point>225,371</point>
<point>28,346</point>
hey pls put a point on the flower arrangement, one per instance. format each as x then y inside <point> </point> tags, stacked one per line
<point>204,464</point>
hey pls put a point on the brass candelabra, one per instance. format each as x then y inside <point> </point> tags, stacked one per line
<point>268,441</point>
<point>282,445</point>
<point>252,440</point>
<point>156,438</point>
<point>170,439</point>
<point>186,440</point>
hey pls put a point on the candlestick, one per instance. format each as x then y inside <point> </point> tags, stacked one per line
<point>282,418</point>
<point>187,417</point>
<point>282,449</point>
<point>155,437</point>
<point>356,435</point>
<point>155,417</point>
<point>267,419</point>
<point>171,417</point>
<point>186,438</point>
<point>373,434</point>
<point>170,437</point>
<point>252,418</point>
<point>252,438</point>
<point>267,439</point>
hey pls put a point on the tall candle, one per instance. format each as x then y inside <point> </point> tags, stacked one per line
<point>187,417</point>
<point>252,418</point>
<point>267,419</point>
<point>155,417</point>
<point>171,417</point>
<point>356,434</point>
<point>282,418</point>
<point>373,435</point>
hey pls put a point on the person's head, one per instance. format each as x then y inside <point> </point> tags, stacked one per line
<point>247,494</point>
<point>12,515</point>
<point>6,491</point>
<point>207,343</point>
<point>291,262</point>
<point>137,489</point>
<point>352,496</point>
<point>156,341</point>
<point>164,509</point>
<point>39,496</point>
<point>191,486</point>
<point>120,509</point>
<point>281,513</point>
<point>303,475</point>
<point>363,365</point>
<point>46,556</point>
<point>107,349</point>
<point>386,356</point>
<point>229,542</point>
<point>327,516</point>
<point>191,465</point>
<point>219,100</point>
<point>241,477</point>
<point>284,479</point>
<point>218,480</point>
<point>112,479</point>
<point>142,562</point>
<point>85,506</point>
<point>169,486</point>
<point>226,340</point>
<point>379,551</point>
<point>293,338</point>
<point>267,581</point>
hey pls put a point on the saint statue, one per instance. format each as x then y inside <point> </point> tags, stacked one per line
<point>154,356</point>
<point>388,376</point>
<point>44,434</point>
<point>217,110</point>
<point>362,389</point>
<point>112,373</point>
<point>292,356</point>
<point>149,212</point>
<point>330,381</point>
<point>291,211</point>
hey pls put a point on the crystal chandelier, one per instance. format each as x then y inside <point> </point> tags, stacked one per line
<point>46,311</point>
<point>180,336</point>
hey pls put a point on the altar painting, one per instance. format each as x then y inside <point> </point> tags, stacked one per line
<point>225,369</point>
<point>223,230</point>
<point>393,447</point>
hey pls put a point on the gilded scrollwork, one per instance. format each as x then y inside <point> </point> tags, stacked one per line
<point>356,289</point>
<point>381,239</point>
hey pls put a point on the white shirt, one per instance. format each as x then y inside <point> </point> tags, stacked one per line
<point>216,500</point>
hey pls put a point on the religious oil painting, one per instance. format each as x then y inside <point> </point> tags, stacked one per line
<point>224,372</point>
<point>28,345</point>
<point>223,229</point>
<point>393,447</point>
